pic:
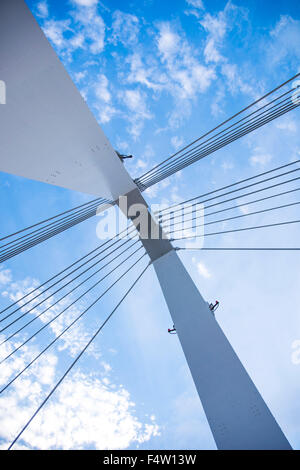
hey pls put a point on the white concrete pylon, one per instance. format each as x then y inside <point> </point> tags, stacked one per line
<point>237,414</point>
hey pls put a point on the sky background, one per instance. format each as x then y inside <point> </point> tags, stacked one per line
<point>157,75</point>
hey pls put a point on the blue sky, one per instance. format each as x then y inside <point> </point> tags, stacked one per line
<point>156,75</point>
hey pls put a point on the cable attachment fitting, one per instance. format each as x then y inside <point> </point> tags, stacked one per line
<point>172,331</point>
<point>214,307</point>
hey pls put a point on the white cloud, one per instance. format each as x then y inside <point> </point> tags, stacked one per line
<point>106,113</point>
<point>203,271</point>
<point>5,276</point>
<point>85,3</point>
<point>260,158</point>
<point>211,52</point>
<point>135,101</point>
<point>141,164</point>
<point>196,3</point>
<point>216,27</point>
<point>168,42</point>
<point>185,70</point>
<point>227,166</point>
<point>283,38</point>
<point>42,9</point>
<point>55,30</point>
<point>176,70</point>
<point>244,209</point>
<point>187,76</point>
<point>125,28</point>
<point>236,83</point>
<point>122,145</point>
<point>287,124</point>
<point>90,24</point>
<point>77,41</point>
<point>196,6</point>
<point>143,74</point>
<point>101,89</point>
<point>103,102</point>
<point>79,76</point>
<point>86,412</point>
<point>76,337</point>
<point>177,142</point>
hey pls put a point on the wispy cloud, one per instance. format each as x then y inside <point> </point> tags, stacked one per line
<point>125,28</point>
<point>260,157</point>
<point>42,9</point>
<point>55,31</point>
<point>196,3</point>
<point>135,102</point>
<point>280,46</point>
<point>203,271</point>
<point>89,410</point>
<point>5,276</point>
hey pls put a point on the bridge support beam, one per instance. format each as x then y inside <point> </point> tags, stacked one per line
<point>237,414</point>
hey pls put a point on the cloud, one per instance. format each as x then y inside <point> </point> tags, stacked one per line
<point>87,411</point>
<point>91,25</point>
<point>135,101</point>
<point>125,28</point>
<point>168,42</point>
<point>103,103</point>
<point>85,28</point>
<point>203,271</point>
<point>85,3</point>
<point>42,9</point>
<point>101,89</point>
<point>216,27</point>
<point>173,69</point>
<point>55,30</point>
<point>143,74</point>
<point>287,124</point>
<point>260,158</point>
<point>177,142</point>
<point>235,83</point>
<point>196,4</point>
<point>226,165</point>
<point>281,46</point>
<point>77,41</point>
<point>106,113</point>
<point>244,209</point>
<point>187,76</point>
<point>5,276</point>
<point>80,76</point>
<point>76,337</point>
